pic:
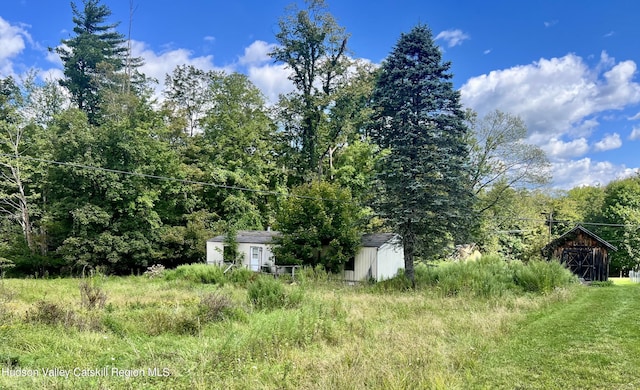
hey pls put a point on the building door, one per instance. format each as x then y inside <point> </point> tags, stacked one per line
<point>579,260</point>
<point>256,258</point>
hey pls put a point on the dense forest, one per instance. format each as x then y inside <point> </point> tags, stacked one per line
<point>96,171</point>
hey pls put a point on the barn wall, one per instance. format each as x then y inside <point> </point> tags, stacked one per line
<point>600,253</point>
<point>581,239</point>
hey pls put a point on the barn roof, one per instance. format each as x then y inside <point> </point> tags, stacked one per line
<point>571,233</point>
<point>376,240</point>
<point>250,236</point>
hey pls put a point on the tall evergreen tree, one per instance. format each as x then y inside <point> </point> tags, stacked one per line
<point>92,57</point>
<point>424,178</point>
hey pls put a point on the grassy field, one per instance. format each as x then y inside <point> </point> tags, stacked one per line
<point>242,333</point>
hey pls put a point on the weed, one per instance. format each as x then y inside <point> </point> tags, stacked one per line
<point>197,273</point>
<point>215,307</point>
<point>268,293</point>
<point>241,276</point>
<point>91,294</point>
<point>49,313</point>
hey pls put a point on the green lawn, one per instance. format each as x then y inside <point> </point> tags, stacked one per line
<point>336,336</point>
<point>589,342</point>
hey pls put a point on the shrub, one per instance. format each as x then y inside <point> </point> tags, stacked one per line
<point>168,320</point>
<point>268,293</point>
<point>216,307</point>
<point>197,273</point>
<point>91,295</point>
<point>240,276</point>
<point>50,314</point>
<point>541,276</point>
<point>490,276</point>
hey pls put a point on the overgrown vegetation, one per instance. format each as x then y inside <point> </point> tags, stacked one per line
<point>323,334</point>
<point>489,277</point>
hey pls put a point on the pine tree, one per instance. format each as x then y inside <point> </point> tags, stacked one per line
<point>92,57</point>
<point>424,178</point>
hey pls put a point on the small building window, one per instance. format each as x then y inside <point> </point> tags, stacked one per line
<point>350,265</point>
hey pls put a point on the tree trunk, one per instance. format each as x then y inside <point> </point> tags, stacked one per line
<point>25,219</point>
<point>408,244</point>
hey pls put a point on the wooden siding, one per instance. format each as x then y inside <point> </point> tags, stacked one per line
<point>584,255</point>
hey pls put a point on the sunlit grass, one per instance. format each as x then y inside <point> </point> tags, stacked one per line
<point>335,336</point>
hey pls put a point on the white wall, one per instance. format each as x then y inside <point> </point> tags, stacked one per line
<point>390,259</point>
<point>215,251</point>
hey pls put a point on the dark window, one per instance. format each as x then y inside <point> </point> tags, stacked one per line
<point>350,265</point>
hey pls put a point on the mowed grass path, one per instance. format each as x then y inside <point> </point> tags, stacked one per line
<point>590,342</point>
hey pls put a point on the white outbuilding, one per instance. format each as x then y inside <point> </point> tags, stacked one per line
<point>379,257</point>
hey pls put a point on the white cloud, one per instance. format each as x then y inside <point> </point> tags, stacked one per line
<point>453,37</point>
<point>12,43</point>
<point>609,142</point>
<point>486,51</point>
<point>553,96</point>
<point>635,117</point>
<point>585,172</point>
<point>551,23</point>
<point>635,134</point>
<point>271,79</point>
<point>159,65</point>
<point>257,53</point>
<point>558,149</point>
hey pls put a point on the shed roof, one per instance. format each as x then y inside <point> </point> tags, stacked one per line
<point>570,234</point>
<point>372,240</point>
<point>376,240</point>
<point>250,236</point>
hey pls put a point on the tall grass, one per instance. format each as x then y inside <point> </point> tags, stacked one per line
<point>490,276</point>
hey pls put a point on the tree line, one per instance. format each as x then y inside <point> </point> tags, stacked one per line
<point>95,172</point>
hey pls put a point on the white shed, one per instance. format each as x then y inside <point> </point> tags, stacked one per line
<point>254,249</point>
<point>379,258</point>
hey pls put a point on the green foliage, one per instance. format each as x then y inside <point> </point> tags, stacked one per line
<point>314,46</point>
<point>267,293</point>
<point>419,119</point>
<point>602,283</point>
<point>197,273</point>
<point>490,276</point>
<point>241,276</point>
<point>541,276</point>
<point>92,295</point>
<point>215,307</point>
<point>621,206</point>
<point>319,225</point>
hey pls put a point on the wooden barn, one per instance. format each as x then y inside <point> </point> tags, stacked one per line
<point>583,252</point>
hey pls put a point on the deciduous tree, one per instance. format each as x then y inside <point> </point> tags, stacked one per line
<point>314,47</point>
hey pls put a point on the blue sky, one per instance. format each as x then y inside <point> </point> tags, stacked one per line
<point>568,68</point>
